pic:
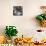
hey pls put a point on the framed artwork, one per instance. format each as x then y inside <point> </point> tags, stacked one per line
<point>17,10</point>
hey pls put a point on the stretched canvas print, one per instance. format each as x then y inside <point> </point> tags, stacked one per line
<point>17,10</point>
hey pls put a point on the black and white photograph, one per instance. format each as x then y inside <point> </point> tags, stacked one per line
<point>17,10</point>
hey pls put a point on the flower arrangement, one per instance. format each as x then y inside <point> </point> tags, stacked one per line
<point>42,19</point>
<point>11,31</point>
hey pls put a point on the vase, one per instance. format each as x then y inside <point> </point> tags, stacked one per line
<point>13,38</point>
<point>9,41</point>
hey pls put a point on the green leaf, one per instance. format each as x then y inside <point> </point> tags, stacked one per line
<point>40,18</point>
<point>45,16</point>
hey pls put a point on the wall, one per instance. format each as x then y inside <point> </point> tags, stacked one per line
<point>25,24</point>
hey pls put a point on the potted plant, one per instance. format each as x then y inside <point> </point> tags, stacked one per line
<point>10,31</point>
<point>42,17</point>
